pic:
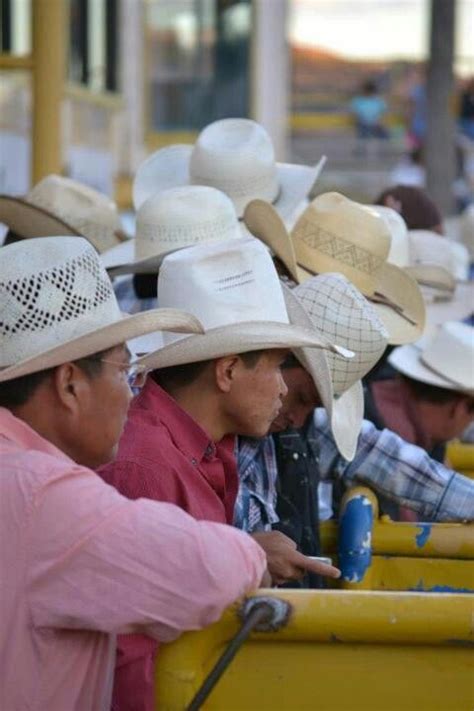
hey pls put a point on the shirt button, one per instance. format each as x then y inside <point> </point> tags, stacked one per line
<point>296,456</point>
<point>194,462</point>
<point>210,451</point>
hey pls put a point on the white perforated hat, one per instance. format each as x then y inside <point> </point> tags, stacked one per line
<point>171,220</point>
<point>446,359</point>
<point>430,247</point>
<point>57,305</point>
<point>335,234</point>
<point>59,206</point>
<point>233,289</point>
<point>234,155</point>
<point>332,305</point>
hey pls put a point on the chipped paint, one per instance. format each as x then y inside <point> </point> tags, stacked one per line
<point>423,536</point>
<point>420,587</point>
<point>355,538</point>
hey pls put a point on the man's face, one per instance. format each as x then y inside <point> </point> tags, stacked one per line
<point>257,394</point>
<point>300,401</point>
<point>104,406</point>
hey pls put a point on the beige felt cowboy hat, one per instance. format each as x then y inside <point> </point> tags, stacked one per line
<point>234,155</point>
<point>233,289</point>
<point>332,305</point>
<point>58,206</point>
<point>58,305</point>
<point>335,234</point>
<point>446,359</point>
<point>171,220</point>
<point>432,275</point>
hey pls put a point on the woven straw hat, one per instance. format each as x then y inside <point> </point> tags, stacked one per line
<point>234,290</point>
<point>335,234</point>
<point>171,220</point>
<point>430,247</point>
<point>58,305</point>
<point>446,359</point>
<point>332,305</point>
<point>59,206</point>
<point>232,155</point>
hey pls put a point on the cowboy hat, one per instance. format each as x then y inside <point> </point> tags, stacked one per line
<point>233,288</point>
<point>171,220</point>
<point>430,247</point>
<point>335,234</point>
<point>445,359</point>
<point>234,155</point>
<point>58,206</point>
<point>435,280</point>
<point>58,305</point>
<point>332,305</point>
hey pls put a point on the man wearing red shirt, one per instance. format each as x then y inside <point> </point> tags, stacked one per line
<point>178,444</point>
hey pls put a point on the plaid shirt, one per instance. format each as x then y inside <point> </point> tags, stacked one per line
<point>128,300</point>
<point>385,462</point>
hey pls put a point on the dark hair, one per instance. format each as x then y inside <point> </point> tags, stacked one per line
<point>180,376</point>
<point>417,208</point>
<point>145,285</point>
<point>291,361</point>
<point>17,392</point>
<point>12,237</point>
<point>434,394</point>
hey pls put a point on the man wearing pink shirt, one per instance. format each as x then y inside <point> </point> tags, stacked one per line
<point>80,562</point>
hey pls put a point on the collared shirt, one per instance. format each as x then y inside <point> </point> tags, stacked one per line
<point>165,455</point>
<point>80,563</point>
<point>394,468</point>
<point>256,499</point>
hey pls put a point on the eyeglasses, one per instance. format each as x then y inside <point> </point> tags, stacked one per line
<point>135,372</point>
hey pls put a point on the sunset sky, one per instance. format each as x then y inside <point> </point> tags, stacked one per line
<point>377,28</point>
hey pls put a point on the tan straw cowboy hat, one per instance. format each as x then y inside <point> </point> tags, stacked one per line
<point>332,305</point>
<point>446,359</point>
<point>335,234</point>
<point>58,305</point>
<point>235,155</point>
<point>58,206</point>
<point>233,289</point>
<point>171,220</point>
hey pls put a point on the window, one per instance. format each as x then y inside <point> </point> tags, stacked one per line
<point>93,56</point>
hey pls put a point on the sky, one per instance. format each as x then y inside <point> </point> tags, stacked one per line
<point>377,29</point>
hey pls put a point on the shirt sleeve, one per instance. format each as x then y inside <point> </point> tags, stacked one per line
<point>399,470</point>
<point>99,561</point>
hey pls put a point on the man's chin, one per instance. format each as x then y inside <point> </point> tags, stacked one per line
<point>277,426</point>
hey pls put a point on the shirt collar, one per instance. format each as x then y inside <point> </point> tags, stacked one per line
<point>185,432</point>
<point>20,433</point>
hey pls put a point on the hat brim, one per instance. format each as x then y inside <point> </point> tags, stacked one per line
<point>28,220</point>
<point>103,338</point>
<point>169,168</point>
<point>393,282</point>
<point>234,338</point>
<point>345,413</point>
<point>460,307</point>
<point>407,360</point>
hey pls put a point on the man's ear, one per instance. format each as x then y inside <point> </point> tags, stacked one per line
<point>70,385</point>
<point>226,370</point>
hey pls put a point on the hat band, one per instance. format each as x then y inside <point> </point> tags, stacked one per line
<point>338,248</point>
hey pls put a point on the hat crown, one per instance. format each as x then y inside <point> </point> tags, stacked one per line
<point>428,247</point>
<point>58,293</point>
<point>399,253</point>
<point>344,316</point>
<point>450,353</point>
<point>335,234</point>
<point>183,217</point>
<point>236,156</point>
<point>223,284</point>
<point>88,211</point>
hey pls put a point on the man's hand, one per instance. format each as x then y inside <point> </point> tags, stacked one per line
<point>285,562</point>
<point>266,581</point>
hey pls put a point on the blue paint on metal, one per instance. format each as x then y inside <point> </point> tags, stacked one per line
<point>420,587</point>
<point>423,535</point>
<point>355,539</point>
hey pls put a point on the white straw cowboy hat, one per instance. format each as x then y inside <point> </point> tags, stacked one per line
<point>432,275</point>
<point>446,359</point>
<point>331,304</point>
<point>234,290</point>
<point>57,305</point>
<point>234,155</point>
<point>171,220</point>
<point>427,246</point>
<point>58,206</point>
<point>335,234</point>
